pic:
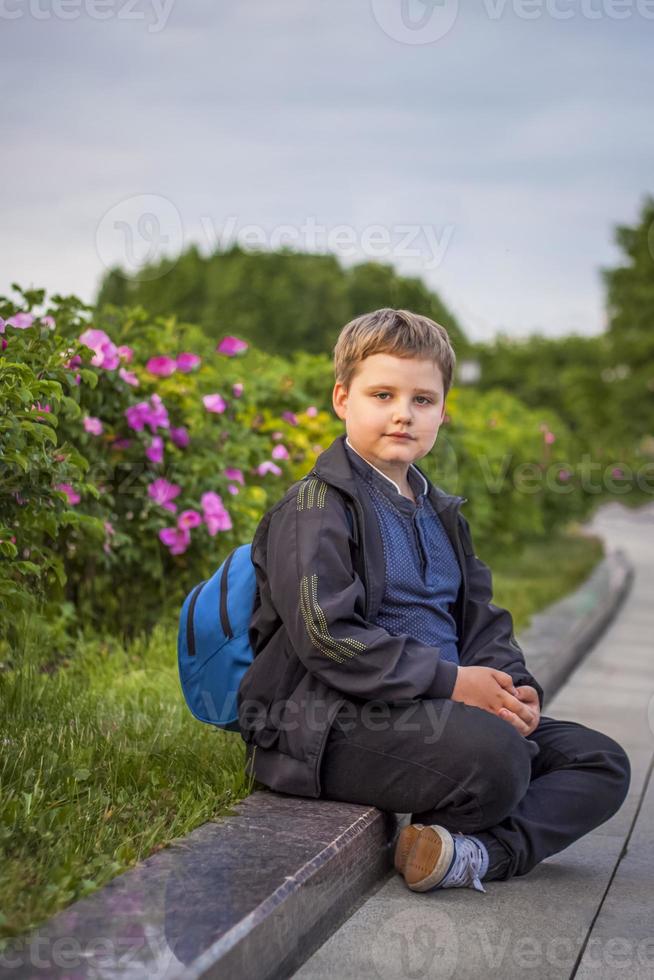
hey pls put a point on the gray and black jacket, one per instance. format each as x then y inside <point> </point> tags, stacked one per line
<point>320,580</point>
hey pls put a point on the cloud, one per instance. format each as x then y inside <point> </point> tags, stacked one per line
<point>528,139</point>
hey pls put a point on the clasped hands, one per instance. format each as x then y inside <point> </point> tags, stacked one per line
<point>494,691</point>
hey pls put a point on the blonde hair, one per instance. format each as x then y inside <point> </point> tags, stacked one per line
<point>397,332</point>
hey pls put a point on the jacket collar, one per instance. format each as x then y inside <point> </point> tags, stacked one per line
<point>417,481</point>
<point>333,466</point>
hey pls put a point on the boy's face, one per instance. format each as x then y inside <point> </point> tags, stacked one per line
<point>392,394</point>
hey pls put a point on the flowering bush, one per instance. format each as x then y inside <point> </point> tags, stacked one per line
<point>136,453</point>
<point>516,466</point>
<point>148,444</point>
<point>40,379</point>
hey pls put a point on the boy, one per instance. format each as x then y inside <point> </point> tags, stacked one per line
<point>383,673</point>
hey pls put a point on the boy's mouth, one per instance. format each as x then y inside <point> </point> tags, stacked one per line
<point>399,435</point>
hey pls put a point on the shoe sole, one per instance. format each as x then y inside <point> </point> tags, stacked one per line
<point>428,860</point>
<point>405,841</point>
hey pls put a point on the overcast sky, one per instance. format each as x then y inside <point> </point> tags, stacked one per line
<point>489,150</point>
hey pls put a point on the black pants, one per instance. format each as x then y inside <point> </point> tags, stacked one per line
<point>449,763</point>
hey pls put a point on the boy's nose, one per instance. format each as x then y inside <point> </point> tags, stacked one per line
<point>402,415</point>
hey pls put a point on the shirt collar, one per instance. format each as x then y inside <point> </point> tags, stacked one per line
<point>412,470</point>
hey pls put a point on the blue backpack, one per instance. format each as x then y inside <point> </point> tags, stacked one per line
<point>213,644</point>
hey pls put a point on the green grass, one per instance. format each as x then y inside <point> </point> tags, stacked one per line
<point>542,573</point>
<point>103,764</point>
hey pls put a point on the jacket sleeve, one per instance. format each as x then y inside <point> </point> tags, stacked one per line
<point>488,639</point>
<point>321,601</point>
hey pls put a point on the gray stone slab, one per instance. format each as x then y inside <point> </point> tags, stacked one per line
<point>621,941</point>
<point>237,898</point>
<point>559,638</point>
<point>536,926</point>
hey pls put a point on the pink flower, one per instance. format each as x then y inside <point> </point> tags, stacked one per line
<point>161,366</point>
<point>549,438</point>
<point>128,377</point>
<point>74,362</point>
<point>163,492</point>
<point>2,325</point>
<point>93,425</point>
<point>73,496</point>
<point>48,321</point>
<point>137,415</point>
<point>109,533</point>
<point>233,488</point>
<point>105,353</point>
<point>152,413</point>
<point>158,414</point>
<point>564,475</point>
<point>21,321</point>
<point>231,346</point>
<point>38,407</point>
<point>4,344</point>
<point>155,450</point>
<point>268,467</point>
<point>180,437</point>
<point>237,389</point>
<point>125,353</point>
<point>311,411</point>
<point>289,417</point>
<point>176,539</point>
<point>214,403</point>
<point>218,522</point>
<point>189,519</point>
<point>215,516</point>
<point>278,435</point>
<point>617,473</point>
<point>280,452</point>
<point>186,362</point>
<point>234,474</point>
<point>212,503</point>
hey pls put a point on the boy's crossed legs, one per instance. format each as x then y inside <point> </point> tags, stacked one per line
<point>471,772</point>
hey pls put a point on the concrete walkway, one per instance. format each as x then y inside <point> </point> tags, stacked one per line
<point>585,912</point>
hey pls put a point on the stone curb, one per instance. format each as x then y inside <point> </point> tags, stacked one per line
<point>256,893</point>
<point>559,637</point>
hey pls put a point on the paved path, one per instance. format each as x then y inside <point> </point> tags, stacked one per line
<point>585,912</point>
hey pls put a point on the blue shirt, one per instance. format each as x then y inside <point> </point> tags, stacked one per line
<point>422,574</point>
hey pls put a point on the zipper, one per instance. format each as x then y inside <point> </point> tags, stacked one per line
<point>462,562</point>
<point>190,635</point>
<point>224,618</point>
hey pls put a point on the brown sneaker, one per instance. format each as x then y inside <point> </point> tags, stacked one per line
<point>436,859</point>
<point>429,858</point>
<point>405,841</point>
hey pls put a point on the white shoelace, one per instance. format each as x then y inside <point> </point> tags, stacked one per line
<point>466,866</point>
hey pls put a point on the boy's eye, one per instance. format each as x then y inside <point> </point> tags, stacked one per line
<point>381,394</point>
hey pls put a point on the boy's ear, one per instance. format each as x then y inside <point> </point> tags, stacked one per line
<point>339,399</point>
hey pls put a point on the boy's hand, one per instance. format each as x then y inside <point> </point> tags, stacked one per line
<point>529,697</point>
<point>493,690</point>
